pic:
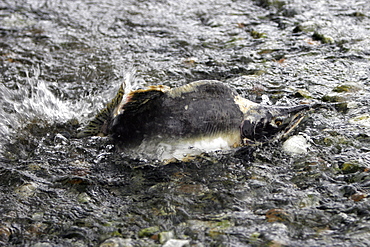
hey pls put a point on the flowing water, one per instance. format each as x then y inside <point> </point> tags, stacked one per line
<point>61,61</point>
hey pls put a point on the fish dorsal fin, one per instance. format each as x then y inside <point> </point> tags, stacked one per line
<point>137,101</point>
<point>190,87</point>
<point>98,126</point>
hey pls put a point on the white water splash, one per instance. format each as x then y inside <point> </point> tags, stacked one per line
<point>34,101</point>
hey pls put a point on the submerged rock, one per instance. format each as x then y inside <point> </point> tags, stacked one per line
<point>165,237</point>
<point>117,242</point>
<point>177,243</point>
<point>297,144</point>
<point>27,190</point>
<point>363,120</point>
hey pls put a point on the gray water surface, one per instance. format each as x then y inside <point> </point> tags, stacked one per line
<point>62,61</point>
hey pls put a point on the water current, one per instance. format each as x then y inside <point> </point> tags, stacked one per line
<point>62,61</point>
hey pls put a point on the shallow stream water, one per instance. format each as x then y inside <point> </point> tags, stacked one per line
<point>62,61</point>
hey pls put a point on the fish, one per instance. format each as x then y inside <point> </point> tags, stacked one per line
<point>202,115</point>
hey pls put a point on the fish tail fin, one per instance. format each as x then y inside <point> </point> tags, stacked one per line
<point>99,125</point>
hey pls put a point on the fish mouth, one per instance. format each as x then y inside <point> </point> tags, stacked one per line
<point>265,124</point>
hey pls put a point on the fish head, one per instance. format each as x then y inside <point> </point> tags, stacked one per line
<point>263,124</point>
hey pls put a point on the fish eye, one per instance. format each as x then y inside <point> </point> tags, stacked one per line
<point>278,122</point>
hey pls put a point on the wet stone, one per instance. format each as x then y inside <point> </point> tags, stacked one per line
<point>177,243</point>
<point>27,190</point>
<point>165,236</point>
<point>323,38</point>
<point>83,198</point>
<point>42,244</point>
<point>297,144</point>
<point>117,242</point>
<point>363,120</point>
<point>5,233</point>
<point>352,167</point>
<point>148,232</point>
<point>344,88</point>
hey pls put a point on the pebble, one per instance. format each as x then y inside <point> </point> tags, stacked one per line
<point>177,243</point>
<point>117,242</point>
<point>41,244</point>
<point>26,190</point>
<point>297,144</point>
<point>363,120</point>
<point>165,237</point>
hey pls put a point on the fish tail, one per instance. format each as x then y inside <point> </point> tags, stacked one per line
<point>99,125</point>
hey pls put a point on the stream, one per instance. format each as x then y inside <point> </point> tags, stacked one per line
<point>61,61</point>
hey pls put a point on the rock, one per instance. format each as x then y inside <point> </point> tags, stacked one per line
<point>5,233</point>
<point>165,237</point>
<point>148,232</point>
<point>363,120</point>
<point>351,167</point>
<point>333,98</point>
<point>177,243</point>
<point>117,242</point>
<point>345,88</point>
<point>297,144</point>
<point>83,198</point>
<point>303,94</point>
<point>42,245</point>
<point>27,190</point>
<point>323,38</point>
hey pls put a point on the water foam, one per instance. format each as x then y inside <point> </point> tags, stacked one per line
<point>35,102</point>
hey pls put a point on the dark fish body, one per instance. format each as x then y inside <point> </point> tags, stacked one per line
<point>204,109</point>
<point>199,111</point>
